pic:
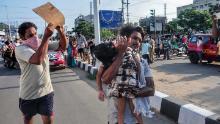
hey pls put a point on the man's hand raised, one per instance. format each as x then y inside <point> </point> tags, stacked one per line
<point>48,31</point>
<point>60,29</point>
<point>121,44</point>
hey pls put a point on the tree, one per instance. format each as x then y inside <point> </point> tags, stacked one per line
<point>195,20</point>
<point>106,34</point>
<point>172,26</point>
<point>85,28</point>
<point>3,26</point>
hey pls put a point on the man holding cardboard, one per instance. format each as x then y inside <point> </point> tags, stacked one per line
<point>36,91</point>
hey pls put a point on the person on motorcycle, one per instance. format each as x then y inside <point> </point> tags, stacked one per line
<point>174,42</point>
<point>9,55</point>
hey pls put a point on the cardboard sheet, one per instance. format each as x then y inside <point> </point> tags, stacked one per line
<point>50,14</point>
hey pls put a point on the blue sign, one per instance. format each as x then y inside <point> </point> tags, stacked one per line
<point>110,19</point>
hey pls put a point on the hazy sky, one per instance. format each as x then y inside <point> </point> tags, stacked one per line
<point>21,10</point>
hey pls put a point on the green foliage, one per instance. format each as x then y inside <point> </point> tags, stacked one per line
<point>106,34</point>
<point>196,20</point>
<point>172,26</point>
<point>85,28</point>
<point>3,26</point>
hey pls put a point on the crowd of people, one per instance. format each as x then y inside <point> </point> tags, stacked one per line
<point>80,48</point>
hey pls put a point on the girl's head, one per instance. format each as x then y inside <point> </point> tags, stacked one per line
<point>105,52</point>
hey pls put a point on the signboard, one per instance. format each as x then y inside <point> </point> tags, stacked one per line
<point>2,33</point>
<point>159,27</point>
<point>110,19</point>
<point>50,14</point>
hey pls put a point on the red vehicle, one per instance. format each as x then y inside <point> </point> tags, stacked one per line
<point>209,48</point>
<point>56,59</point>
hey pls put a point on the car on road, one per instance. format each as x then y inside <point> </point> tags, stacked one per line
<point>56,59</point>
<point>209,48</point>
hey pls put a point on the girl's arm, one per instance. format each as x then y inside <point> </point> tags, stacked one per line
<point>101,94</point>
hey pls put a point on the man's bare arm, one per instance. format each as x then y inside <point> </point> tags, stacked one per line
<point>98,78</point>
<point>38,57</point>
<point>112,70</point>
<point>149,90</point>
<point>63,39</point>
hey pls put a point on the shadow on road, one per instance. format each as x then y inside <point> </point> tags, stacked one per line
<point>191,71</point>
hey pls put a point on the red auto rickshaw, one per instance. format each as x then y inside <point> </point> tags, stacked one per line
<point>209,48</point>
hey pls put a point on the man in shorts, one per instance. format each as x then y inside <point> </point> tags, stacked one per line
<point>82,44</point>
<point>36,91</point>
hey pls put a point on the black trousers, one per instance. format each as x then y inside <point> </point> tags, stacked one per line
<point>166,54</point>
<point>147,57</point>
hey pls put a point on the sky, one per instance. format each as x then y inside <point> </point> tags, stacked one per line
<point>19,11</point>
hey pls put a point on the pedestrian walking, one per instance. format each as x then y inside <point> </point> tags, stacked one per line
<point>166,48</point>
<point>69,52</point>
<point>82,44</point>
<point>73,54</point>
<point>92,47</point>
<point>36,91</point>
<point>87,54</point>
<point>145,48</point>
<point>158,47</point>
<point>151,49</point>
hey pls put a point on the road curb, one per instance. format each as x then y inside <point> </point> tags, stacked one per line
<point>177,110</point>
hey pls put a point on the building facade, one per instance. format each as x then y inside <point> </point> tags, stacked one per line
<point>160,23</point>
<point>198,5</point>
<point>88,18</point>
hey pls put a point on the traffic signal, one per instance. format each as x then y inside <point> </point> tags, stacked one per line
<point>152,12</point>
<point>152,18</point>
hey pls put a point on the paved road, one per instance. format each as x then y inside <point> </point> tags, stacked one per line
<point>75,99</point>
<point>198,84</point>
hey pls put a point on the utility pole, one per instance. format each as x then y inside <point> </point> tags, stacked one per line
<point>127,3</point>
<point>91,11</point>
<point>9,26</point>
<point>96,21</point>
<point>165,9</point>
<point>165,14</point>
<point>122,11</point>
